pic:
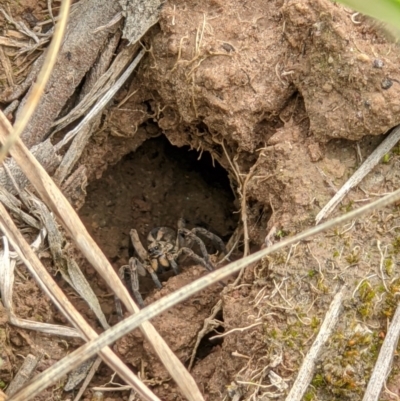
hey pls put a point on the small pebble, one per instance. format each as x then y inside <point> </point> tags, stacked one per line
<point>386,83</point>
<point>363,57</point>
<point>377,63</point>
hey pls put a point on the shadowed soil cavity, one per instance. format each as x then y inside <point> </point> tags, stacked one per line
<point>153,187</point>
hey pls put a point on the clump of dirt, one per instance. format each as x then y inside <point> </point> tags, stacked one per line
<point>232,78</point>
<point>185,321</point>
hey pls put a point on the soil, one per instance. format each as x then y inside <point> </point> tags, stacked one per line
<point>278,102</point>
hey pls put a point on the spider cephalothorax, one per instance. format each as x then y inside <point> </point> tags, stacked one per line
<point>162,242</point>
<point>164,247</point>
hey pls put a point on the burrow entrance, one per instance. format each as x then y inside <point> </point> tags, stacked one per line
<point>155,186</point>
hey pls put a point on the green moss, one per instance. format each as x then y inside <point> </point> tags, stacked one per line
<point>381,289</point>
<point>347,207</point>
<point>365,310</point>
<point>273,333</point>
<point>39,318</point>
<point>311,273</point>
<point>388,266</point>
<point>367,294</point>
<point>309,396</point>
<point>321,285</point>
<point>314,322</point>
<point>290,333</point>
<point>2,384</point>
<point>336,253</point>
<point>281,234</point>
<point>396,245</point>
<point>386,158</point>
<point>279,258</point>
<point>374,350</point>
<point>391,300</point>
<point>353,258</point>
<point>318,380</point>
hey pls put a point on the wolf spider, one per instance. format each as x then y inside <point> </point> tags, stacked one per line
<point>164,247</point>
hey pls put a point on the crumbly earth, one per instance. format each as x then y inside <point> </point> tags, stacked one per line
<point>289,98</point>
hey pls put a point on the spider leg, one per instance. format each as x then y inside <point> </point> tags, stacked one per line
<point>135,266</point>
<point>198,259</point>
<point>179,242</point>
<point>173,264</point>
<point>194,238</point>
<point>217,241</point>
<point>152,268</point>
<point>139,248</point>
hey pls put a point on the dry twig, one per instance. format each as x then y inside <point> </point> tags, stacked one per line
<point>24,374</point>
<point>307,368</point>
<point>7,265</point>
<point>209,324</point>
<point>385,358</point>
<point>84,128</point>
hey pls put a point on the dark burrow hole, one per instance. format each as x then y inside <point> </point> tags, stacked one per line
<point>152,187</point>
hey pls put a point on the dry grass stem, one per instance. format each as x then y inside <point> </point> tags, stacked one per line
<point>7,266</point>
<point>209,324</point>
<point>102,103</point>
<point>382,261</point>
<point>384,362</point>
<point>88,378</point>
<point>66,265</point>
<point>6,67</point>
<point>236,330</point>
<point>88,125</point>
<point>23,375</point>
<point>11,107</point>
<point>118,17</point>
<point>13,204</point>
<point>4,41</point>
<point>100,88</point>
<point>39,86</point>
<point>243,210</point>
<point>20,26</point>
